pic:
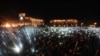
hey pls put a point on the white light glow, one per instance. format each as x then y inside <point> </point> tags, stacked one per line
<point>16,49</point>
<point>21,18</point>
<point>32,50</point>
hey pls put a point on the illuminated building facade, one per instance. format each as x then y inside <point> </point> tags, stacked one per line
<point>68,22</point>
<point>29,20</point>
<point>23,20</point>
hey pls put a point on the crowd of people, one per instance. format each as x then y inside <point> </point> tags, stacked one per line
<point>73,44</point>
<point>56,42</point>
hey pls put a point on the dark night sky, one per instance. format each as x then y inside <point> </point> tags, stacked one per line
<point>51,9</point>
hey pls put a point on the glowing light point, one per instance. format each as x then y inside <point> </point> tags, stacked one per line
<point>95,23</point>
<point>32,50</point>
<point>16,49</point>
<point>7,25</point>
<point>21,18</point>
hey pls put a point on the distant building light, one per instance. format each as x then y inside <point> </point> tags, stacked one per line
<point>7,25</point>
<point>95,23</point>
